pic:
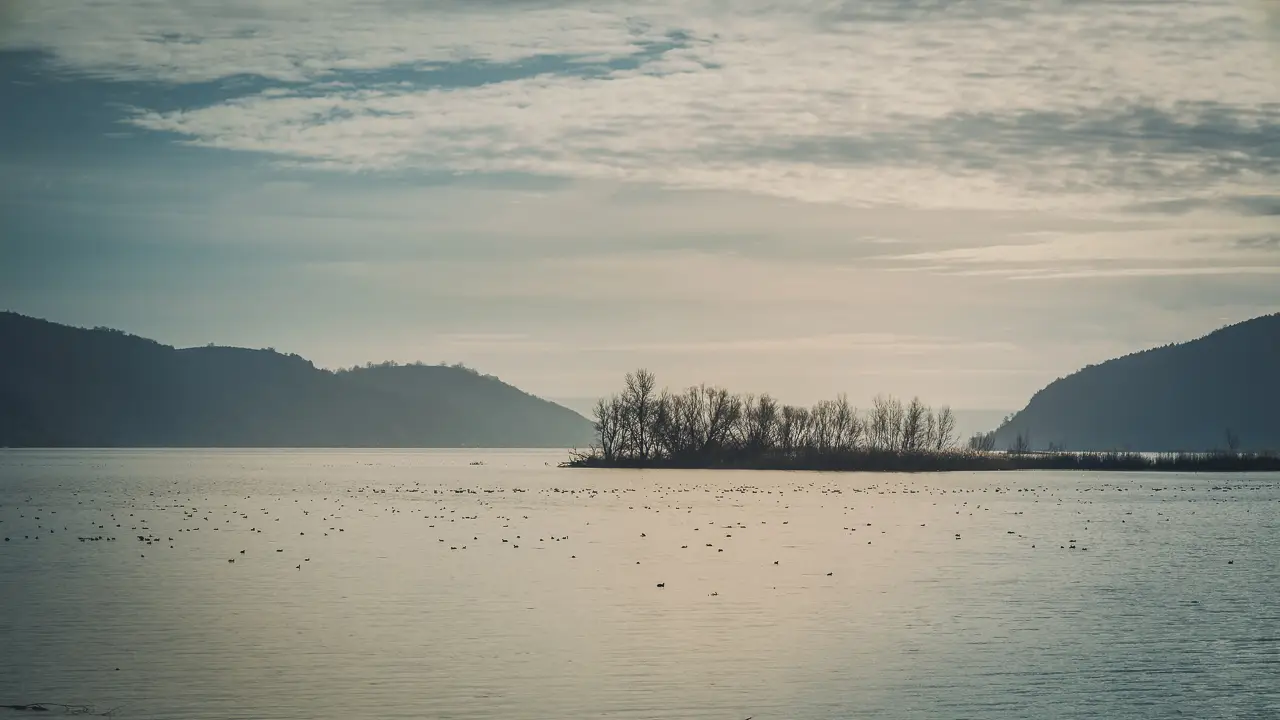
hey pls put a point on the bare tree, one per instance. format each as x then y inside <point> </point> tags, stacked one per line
<point>693,418</point>
<point>1021,444</point>
<point>944,429</point>
<point>608,419</point>
<point>666,425</point>
<point>723,412</point>
<point>896,416</point>
<point>913,426</point>
<point>879,421</point>
<point>793,428</point>
<point>1233,441</point>
<point>822,425</point>
<point>982,442</point>
<point>847,428</point>
<point>761,424</point>
<point>930,431</point>
<point>641,404</point>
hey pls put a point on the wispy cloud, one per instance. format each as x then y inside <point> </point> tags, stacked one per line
<point>1114,254</point>
<point>879,344</point>
<point>296,41</point>
<point>993,104</point>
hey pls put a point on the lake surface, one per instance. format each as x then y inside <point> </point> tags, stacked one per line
<point>375,584</point>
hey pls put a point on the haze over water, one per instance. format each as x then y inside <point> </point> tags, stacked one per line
<point>413,584</point>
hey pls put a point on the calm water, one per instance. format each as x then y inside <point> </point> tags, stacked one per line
<point>415,585</point>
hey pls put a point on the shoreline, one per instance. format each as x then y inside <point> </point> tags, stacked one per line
<point>929,462</point>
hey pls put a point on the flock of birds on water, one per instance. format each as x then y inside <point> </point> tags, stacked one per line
<point>780,529</point>
<point>167,518</point>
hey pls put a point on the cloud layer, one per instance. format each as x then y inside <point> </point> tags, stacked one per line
<point>986,103</point>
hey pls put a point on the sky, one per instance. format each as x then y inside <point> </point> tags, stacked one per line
<point>959,200</point>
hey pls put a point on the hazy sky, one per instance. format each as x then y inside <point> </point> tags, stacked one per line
<point>961,200</point>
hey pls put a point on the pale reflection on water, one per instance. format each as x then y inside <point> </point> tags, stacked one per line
<point>797,596</point>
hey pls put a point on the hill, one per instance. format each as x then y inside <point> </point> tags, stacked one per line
<point>62,386</point>
<point>1193,396</point>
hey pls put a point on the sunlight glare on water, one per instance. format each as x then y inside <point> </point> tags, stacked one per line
<point>398,584</point>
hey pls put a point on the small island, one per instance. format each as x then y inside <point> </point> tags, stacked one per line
<point>708,427</point>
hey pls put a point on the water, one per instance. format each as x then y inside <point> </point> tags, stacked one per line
<point>798,595</point>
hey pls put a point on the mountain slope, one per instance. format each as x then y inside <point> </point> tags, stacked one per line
<point>1178,397</point>
<point>62,386</point>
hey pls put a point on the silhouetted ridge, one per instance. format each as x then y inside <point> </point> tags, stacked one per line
<point>1208,394</point>
<point>62,386</point>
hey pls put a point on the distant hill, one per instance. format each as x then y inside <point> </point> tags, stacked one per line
<point>62,386</point>
<point>1191,396</point>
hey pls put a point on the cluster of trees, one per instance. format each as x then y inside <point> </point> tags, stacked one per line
<point>982,441</point>
<point>709,426</point>
<point>386,364</point>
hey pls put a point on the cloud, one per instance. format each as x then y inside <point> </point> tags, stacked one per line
<point>1271,17</point>
<point>307,40</point>
<point>878,343</point>
<point>496,342</point>
<point>1255,205</point>
<point>874,343</point>
<point>1137,253</point>
<point>992,104</point>
<point>641,129</point>
<point>1134,272</point>
<point>1265,242</point>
